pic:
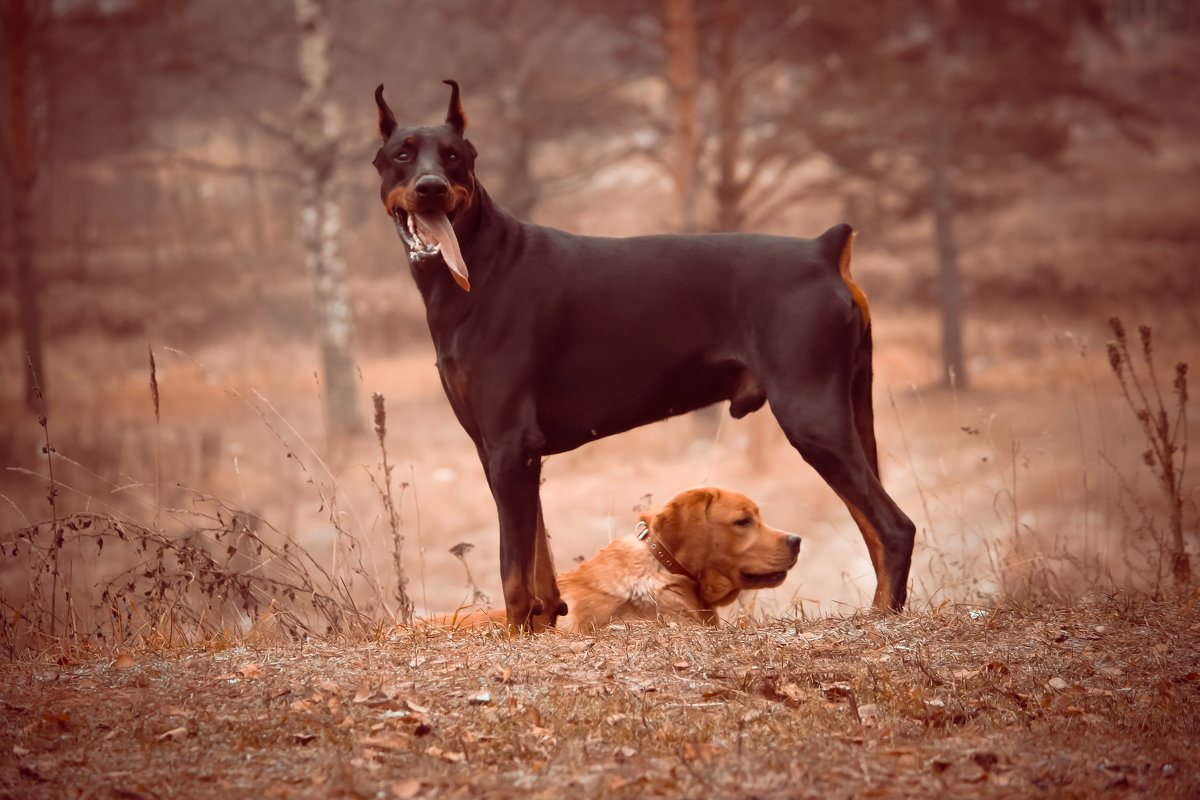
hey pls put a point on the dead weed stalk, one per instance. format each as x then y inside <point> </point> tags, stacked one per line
<point>1165,431</point>
<point>404,603</point>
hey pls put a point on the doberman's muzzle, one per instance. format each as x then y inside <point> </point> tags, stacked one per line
<point>426,229</point>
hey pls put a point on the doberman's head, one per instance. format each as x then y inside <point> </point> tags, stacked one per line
<point>427,181</point>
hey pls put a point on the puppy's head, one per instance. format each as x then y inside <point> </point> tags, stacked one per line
<point>719,535</point>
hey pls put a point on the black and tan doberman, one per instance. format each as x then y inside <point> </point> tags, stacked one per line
<point>547,340</point>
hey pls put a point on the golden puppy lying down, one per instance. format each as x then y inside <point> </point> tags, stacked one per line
<point>689,558</point>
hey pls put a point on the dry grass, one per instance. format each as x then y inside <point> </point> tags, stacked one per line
<point>1035,702</point>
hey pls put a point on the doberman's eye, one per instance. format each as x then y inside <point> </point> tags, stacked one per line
<point>744,522</point>
<point>403,157</point>
<point>452,157</point>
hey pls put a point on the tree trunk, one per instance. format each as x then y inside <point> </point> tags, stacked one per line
<point>683,82</point>
<point>22,169</point>
<point>954,371</point>
<point>321,222</point>
<point>730,190</point>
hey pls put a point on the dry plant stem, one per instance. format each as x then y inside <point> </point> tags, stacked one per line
<point>1016,449</point>
<point>404,604</point>
<point>329,500</point>
<point>412,475</point>
<point>1167,437</point>
<point>157,438</point>
<point>912,467</point>
<point>460,551</point>
<point>51,494</point>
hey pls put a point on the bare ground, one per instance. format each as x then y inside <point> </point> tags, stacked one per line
<point>1098,698</point>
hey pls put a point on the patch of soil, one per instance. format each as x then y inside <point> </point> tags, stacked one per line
<point>1032,702</point>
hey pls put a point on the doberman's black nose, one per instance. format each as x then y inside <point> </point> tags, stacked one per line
<point>430,187</point>
<point>793,543</point>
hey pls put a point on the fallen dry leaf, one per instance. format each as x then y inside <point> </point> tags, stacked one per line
<point>793,693</point>
<point>123,661</point>
<point>388,741</point>
<point>406,790</point>
<point>452,757</point>
<point>251,671</point>
<point>869,714</point>
<point>173,735</point>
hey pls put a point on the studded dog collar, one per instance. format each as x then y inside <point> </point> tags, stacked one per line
<point>662,553</point>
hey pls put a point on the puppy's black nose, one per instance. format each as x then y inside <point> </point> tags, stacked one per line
<point>431,186</point>
<point>793,543</point>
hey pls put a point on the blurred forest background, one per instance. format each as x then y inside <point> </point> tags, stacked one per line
<point>194,176</point>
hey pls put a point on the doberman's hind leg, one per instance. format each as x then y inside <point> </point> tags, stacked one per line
<point>822,430</point>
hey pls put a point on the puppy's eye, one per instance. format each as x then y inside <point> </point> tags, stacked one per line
<point>744,522</point>
<point>452,157</point>
<point>403,157</point>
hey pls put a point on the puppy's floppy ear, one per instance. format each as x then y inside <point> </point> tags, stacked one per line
<point>682,517</point>
<point>455,117</point>
<point>387,120</point>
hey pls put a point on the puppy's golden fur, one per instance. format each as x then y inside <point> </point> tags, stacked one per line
<point>717,535</point>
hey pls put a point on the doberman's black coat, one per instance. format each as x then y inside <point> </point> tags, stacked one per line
<point>546,340</point>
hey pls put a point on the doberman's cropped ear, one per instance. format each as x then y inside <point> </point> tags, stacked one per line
<point>455,117</point>
<point>387,120</point>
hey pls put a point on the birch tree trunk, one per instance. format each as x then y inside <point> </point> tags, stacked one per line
<point>22,172</point>
<point>321,223</point>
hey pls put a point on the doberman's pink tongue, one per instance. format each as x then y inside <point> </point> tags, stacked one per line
<point>436,226</point>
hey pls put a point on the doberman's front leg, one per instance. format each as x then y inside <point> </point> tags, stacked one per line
<point>545,586</point>
<point>531,599</point>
